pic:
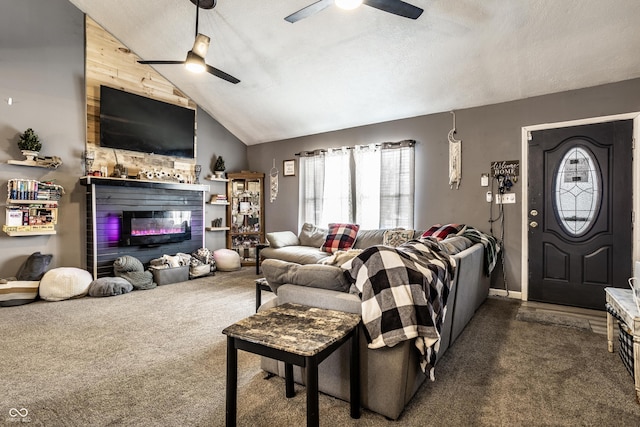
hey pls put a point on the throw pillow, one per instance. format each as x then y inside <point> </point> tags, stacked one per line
<point>340,237</point>
<point>313,236</point>
<point>440,231</point>
<point>455,244</point>
<point>280,239</point>
<point>396,237</point>
<point>34,267</point>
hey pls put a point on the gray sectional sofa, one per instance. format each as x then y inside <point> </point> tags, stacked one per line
<point>390,376</point>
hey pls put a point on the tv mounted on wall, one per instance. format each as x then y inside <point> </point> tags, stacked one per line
<point>133,122</point>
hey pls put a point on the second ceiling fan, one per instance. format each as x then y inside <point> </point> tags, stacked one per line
<point>396,7</point>
<point>195,57</point>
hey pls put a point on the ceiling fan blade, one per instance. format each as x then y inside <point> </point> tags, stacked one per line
<point>160,62</point>
<point>397,7</point>
<point>221,74</point>
<point>309,10</point>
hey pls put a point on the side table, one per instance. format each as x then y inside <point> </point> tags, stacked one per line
<point>261,285</point>
<point>622,303</point>
<point>297,335</point>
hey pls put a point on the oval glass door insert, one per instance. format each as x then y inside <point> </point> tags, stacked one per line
<point>578,191</point>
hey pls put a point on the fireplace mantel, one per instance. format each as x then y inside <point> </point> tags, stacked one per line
<point>125,182</point>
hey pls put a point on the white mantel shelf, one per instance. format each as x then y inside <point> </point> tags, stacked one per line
<point>125,182</point>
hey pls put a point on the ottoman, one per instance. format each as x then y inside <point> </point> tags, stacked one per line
<point>227,260</point>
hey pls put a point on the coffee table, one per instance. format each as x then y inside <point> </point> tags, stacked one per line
<point>297,335</point>
<point>622,303</point>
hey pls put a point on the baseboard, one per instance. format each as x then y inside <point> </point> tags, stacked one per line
<point>503,293</point>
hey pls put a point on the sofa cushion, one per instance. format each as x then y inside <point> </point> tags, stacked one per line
<point>280,239</point>
<point>297,254</point>
<point>396,237</point>
<point>455,244</point>
<point>368,238</point>
<point>340,237</point>
<point>321,276</point>
<point>310,235</point>
<point>440,231</point>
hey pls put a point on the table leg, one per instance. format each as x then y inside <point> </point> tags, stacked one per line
<point>258,296</point>
<point>354,373</point>
<point>636,364</point>
<point>609,332</point>
<point>313,416</point>
<point>232,382</point>
<point>288,380</point>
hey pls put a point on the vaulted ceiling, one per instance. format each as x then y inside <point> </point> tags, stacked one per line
<point>339,69</point>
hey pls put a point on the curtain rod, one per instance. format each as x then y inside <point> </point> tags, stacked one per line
<point>389,145</point>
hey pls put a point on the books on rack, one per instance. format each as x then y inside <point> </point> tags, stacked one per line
<point>7,228</point>
<point>30,189</point>
<point>26,215</point>
<point>218,198</point>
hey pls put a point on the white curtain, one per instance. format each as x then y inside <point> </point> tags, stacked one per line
<point>311,188</point>
<point>337,206</point>
<point>397,187</point>
<point>367,191</point>
<point>378,192</point>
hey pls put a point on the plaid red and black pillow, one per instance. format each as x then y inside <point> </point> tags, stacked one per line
<point>440,231</point>
<point>340,237</point>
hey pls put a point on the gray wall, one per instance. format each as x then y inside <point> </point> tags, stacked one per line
<point>42,69</point>
<point>488,134</point>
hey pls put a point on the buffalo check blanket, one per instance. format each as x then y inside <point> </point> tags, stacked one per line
<point>404,293</point>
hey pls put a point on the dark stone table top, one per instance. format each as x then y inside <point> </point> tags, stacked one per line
<point>294,328</point>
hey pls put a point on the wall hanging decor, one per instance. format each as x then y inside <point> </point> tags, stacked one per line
<point>273,182</point>
<point>455,157</point>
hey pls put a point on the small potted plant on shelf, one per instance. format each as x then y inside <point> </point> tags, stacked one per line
<point>29,143</point>
<point>219,167</point>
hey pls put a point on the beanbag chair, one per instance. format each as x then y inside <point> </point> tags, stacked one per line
<point>227,260</point>
<point>109,286</point>
<point>63,283</point>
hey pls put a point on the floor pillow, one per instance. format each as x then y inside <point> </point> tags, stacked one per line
<point>34,267</point>
<point>109,286</point>
<point>227,260</point>
<point>63,283</point>
<point>18,292</point>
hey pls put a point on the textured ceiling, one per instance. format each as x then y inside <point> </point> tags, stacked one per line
<point>339,69</point>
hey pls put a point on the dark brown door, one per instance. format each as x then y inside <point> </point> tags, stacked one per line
<point>580,212</point>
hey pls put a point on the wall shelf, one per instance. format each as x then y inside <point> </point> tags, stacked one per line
<point>213,178</point>
<point>217,228</point>
<point>46,162</point>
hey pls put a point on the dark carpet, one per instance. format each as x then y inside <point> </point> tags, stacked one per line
<point>157,358</point>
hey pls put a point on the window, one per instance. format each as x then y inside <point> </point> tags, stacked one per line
<point>370,185</point>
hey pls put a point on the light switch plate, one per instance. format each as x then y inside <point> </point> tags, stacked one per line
<point>506,198</point>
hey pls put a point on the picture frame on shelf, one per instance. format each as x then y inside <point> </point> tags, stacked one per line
<point>289,167</point>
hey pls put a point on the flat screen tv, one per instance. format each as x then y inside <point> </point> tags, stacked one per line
<point>133,122</point>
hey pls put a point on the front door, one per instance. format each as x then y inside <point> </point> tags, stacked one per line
<point>580,212</point>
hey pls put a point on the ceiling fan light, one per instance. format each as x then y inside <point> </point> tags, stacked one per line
<point>194,63</point>
<point>348,4</point>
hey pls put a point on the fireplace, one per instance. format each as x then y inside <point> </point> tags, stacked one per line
<point>146,228</point>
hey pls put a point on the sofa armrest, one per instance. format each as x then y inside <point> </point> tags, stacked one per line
<point>321,298</point>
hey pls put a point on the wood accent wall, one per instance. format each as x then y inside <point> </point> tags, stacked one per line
<point>111,63</point>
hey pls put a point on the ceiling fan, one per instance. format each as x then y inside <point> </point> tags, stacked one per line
<point>397,7</point>
<point>195,57</point>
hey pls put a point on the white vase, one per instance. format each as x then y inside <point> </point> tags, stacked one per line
<point>219,174</point>
<point>30,155</point>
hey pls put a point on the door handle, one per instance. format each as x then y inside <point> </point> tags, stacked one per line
<point>533,224</point>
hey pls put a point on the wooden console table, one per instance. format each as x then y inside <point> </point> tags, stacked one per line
<point>297,335</point>
<point>621,301</point>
